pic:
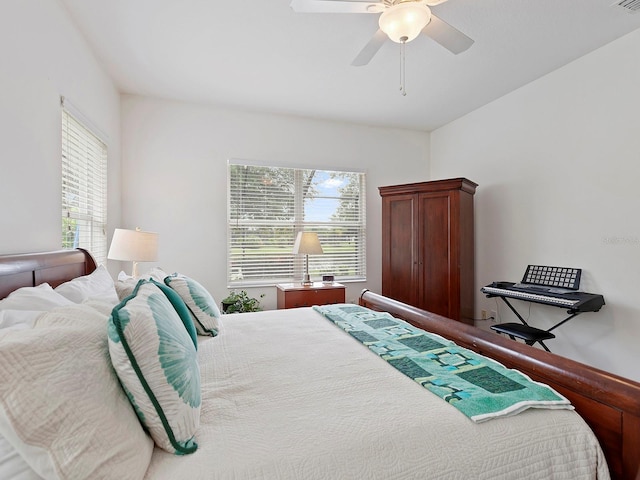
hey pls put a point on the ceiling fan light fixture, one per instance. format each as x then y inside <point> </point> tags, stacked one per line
<point>404,21</point>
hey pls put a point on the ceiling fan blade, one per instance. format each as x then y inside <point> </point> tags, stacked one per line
<point>370,49</point>
<point>335,6</point>
<point>450,38</point>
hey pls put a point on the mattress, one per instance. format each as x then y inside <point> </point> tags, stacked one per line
<point>288,395</point>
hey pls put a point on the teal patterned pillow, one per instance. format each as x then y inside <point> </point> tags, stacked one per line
<point>155,359</point>
<point>203,307</point>
<point>181,309</point>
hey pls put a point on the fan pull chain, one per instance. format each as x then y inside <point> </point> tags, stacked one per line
<point>403,91</point>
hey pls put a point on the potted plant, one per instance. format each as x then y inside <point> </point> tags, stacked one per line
<point>239,302</point>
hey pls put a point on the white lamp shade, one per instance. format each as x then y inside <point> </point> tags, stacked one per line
<point>404,21</point>
<point>307,242</point>
<point>133,246</point>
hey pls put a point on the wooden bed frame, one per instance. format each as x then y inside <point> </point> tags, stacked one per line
<point>610,404</point>
<point>54,268</point>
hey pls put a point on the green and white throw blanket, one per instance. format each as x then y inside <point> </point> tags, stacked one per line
<point>479,387</point>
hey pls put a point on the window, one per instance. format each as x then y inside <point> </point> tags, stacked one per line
<point>84,188</point>
<point>268,206</point>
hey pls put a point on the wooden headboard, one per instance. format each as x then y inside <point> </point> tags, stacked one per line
<point>54,268</point>
<point>610,404</point>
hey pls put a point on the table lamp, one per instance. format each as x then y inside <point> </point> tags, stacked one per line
<point>133,246</point>
<point>307,243</point>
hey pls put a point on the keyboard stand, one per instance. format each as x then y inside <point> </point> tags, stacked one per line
<point>529,334</point>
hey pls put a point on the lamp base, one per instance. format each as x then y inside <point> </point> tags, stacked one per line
<point>306,280</point>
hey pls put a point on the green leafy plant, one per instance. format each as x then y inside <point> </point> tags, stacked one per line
<point>239,302</point>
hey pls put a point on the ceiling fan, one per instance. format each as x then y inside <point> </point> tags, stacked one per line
<point>400,21</point>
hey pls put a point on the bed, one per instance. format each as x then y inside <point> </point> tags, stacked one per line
<point>291,396</point>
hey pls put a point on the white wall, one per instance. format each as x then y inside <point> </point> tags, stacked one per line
<point>42,57</point>
<point>557,163</point>
<point>175,163</point>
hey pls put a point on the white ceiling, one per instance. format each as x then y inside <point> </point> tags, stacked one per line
<point>259,55</point>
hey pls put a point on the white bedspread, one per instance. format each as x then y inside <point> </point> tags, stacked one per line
<point>287,395</point>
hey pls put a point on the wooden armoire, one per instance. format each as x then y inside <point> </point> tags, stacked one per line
<point>428,246</point>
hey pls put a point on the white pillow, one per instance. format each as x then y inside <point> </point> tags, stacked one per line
<point>18,319</point>
<point>12,465</point>
<point>98,285</point>
<point>126,283</point>
<point>157,274</point>
<point>61,405</point>
<point>156,361</point>
<point>41,298</point>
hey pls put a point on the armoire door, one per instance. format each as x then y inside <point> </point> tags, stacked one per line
<point>437,281</point>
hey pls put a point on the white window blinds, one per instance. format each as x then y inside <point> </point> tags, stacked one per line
<point>268,206</point>
<point>84,189</point>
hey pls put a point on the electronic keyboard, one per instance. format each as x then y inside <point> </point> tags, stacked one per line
<point>574,301</point>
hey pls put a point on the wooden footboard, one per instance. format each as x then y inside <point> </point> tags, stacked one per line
<point>609,404</point>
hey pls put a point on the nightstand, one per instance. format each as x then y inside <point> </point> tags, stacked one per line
<point>291,295</point>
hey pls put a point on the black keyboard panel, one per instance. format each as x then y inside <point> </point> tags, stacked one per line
<point>562,277</point>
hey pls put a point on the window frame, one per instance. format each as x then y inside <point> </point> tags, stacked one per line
<point>84,161</point>
<point>290,267</point>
